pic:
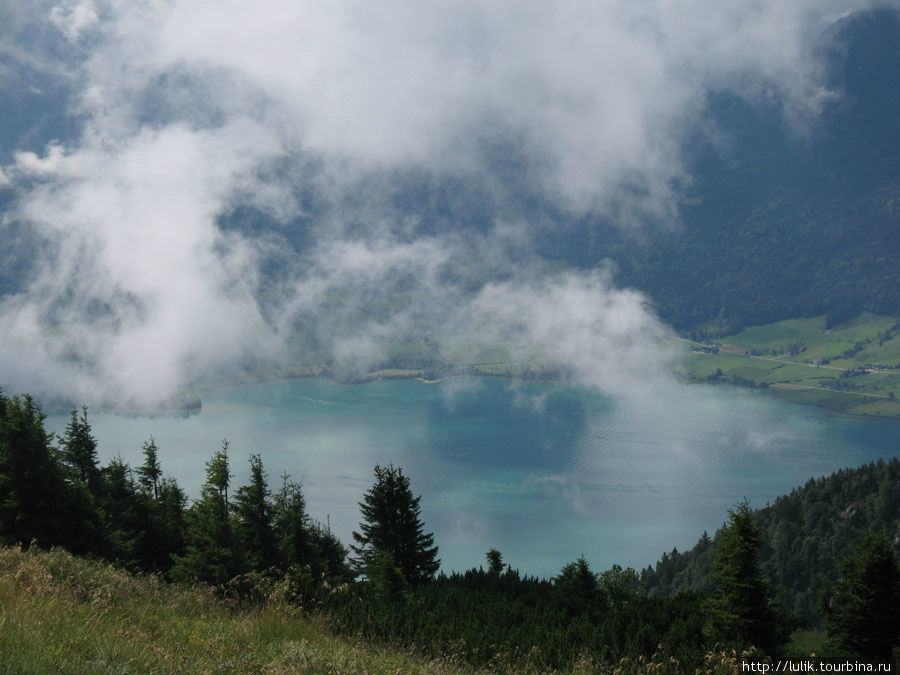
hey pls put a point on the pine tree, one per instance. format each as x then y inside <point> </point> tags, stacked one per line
<point>37,503</point>
<point>127,518</point>
<point>391,523</point>
<point>576,586</point>
<point>170,510</point>
<point>739,610</point>
<point>329,554</point>
<point>150,472</point>
<point>211,553</point>
<point>387,579</point>
<point>253,511</point>
<point>218,475</point>
<point>291,523</point>
<point>862,608</point>
<point>163,503</point>
<point>79,452</point>
<point>494,561</point>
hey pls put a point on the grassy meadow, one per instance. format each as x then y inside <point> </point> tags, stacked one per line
<point>59,613</point>
<point>64,614</point>
<point>852,369</point>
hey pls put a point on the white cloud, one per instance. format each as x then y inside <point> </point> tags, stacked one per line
<point>608,336</point>
<point>191,108</point>
<point>73,17</point>
<point>140,285</point>
<point>595,94</point>
<point>30,163</point>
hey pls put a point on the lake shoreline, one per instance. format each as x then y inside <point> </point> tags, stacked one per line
<point>780,393</point>
<point>194,404</point>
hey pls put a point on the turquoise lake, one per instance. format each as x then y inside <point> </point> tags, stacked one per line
<point>543,472</point>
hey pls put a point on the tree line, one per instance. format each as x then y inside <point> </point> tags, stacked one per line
<point>387,586</point>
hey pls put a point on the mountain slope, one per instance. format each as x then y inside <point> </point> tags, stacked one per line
<point>805,535</point>
<point>782,223</point>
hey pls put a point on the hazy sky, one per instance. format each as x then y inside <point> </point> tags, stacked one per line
<point>174,116</point>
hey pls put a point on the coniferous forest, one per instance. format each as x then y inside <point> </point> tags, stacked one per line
<point>823,556</point>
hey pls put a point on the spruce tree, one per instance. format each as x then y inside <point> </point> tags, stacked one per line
<point>211,553</point>
<point>127,517</point>
<point>218,475</point>
<point>494,561</point>
<point>576,586</point>
<point>391,523</point>
<point>253,512</point>
<point>171,516</point>
<point>329,554</point>
<point>37,503</point>
<point>79,451</point>
<point>387,579</point>
<point>150,472</point>
<point>292,526</point>
<point>739,611</point>
<point>862,608</point>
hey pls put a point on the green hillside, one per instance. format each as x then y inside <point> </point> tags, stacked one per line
<point>805,534</point>
<point>65,614</point>
<point>852,368</point>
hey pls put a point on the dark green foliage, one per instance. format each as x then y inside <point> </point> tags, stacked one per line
<point>618,584</point>
<point>495,561</point>
<point>135,530</point>
<point>805,534</point>
<point>330,555</point>
<point>392,523</point>
<point>739,611</point>
<point>493,621</point>
<point>253,510</point>
<point>211,553</point>
<point>292,525</point>
<point>172,502</point>
<point>862,607</point>
<point>147,512</point>
<point>150,472</point>
<point>126,515</point>
<point>576,586</point>
<point>37,503</point>
<point>218,476</point>
<point>137,519</point>
<point>28,475</point>
<point>158,504</point>
<point>386,579</point>
<point>79,452</point>
<point>169,518</point>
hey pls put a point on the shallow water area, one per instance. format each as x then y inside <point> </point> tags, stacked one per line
<point>544,472</point>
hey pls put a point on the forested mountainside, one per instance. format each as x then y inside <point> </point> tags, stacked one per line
<point>785,222</point>
<point>805,535</point>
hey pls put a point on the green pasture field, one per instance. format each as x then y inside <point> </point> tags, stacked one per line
<point>852,369</point>
<point>820,343</point>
